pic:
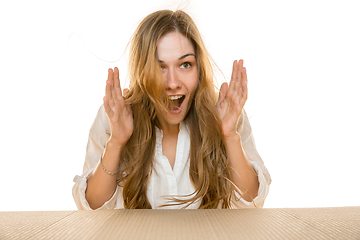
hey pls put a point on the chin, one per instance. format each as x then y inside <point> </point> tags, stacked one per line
<point>175,120</point>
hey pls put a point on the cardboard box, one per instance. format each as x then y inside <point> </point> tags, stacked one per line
<point>306,223</point>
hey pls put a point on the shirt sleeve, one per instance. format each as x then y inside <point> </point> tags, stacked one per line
<point>98,136</point>
<point>264,178</point>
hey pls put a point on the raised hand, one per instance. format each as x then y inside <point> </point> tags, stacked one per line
<point>119,113</point>
<point>232,99</point>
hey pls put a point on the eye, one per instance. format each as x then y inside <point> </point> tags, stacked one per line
<point>185,65</point>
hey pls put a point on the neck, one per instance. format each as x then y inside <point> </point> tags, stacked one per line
<point>170,129</point>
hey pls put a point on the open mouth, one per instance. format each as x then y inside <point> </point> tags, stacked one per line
<point>176,101</point>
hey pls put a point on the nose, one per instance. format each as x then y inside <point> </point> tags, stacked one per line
<point>172,79</point>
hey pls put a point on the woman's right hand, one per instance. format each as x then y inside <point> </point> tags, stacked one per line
<point>119,113</point>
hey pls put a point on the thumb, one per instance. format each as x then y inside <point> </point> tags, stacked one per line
<point>125,92</point>
<point>223,90</point>
<point>127,105</point>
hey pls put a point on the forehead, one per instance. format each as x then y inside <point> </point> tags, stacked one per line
<point>173,45</point>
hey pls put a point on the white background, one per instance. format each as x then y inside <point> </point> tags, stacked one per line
<point>303,64</point>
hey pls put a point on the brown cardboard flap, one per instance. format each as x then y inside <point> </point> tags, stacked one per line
<point>23,225</point>
<point>307,223</point>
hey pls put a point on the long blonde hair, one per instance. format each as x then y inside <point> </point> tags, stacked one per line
<point>209,168</point>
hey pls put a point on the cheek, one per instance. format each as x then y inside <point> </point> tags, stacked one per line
<point>195,83</point>
<point>190,80</point>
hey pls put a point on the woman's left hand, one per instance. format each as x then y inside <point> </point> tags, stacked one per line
<point>232,99</point>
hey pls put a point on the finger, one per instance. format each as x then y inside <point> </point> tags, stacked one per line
<point>238,83</point>
<point>108,92</point>
<point>117,88</point>
<point>241,63</point>
<point>109,87</point>
<point>244,83</point>
<point>113,92</point>
<point>127,105</point>
<point>116,78</point>
<point>234,76</point>
<point>125,91</point>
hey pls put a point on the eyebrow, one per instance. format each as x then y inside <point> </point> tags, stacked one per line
<point>182,57</point>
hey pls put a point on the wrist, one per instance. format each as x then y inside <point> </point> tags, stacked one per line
<point>232,137</point>
<point>110,159</point>
<point>113,144</point>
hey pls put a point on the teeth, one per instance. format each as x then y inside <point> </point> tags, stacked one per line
<point>175,97</point>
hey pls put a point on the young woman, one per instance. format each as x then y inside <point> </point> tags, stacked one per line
<point>170,141</point>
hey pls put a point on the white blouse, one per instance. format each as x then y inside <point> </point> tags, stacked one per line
<point>165,181</point>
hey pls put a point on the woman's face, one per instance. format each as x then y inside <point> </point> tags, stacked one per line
<point>176,55</point>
